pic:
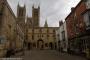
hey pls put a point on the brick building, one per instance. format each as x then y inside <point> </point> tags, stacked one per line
<point>76,28</point>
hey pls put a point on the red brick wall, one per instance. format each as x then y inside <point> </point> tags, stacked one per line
<point>69,23</point>
<point>79,9</point>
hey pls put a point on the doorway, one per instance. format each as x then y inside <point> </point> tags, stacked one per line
<point>40,44</point>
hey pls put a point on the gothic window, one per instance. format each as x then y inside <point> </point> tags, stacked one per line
<point>47,35</point>
<point>9,26</point>
<point>42,35</point>
<point>1,9</point>
<point>20,12</point>
<point>32,37</point>
<point>38,36</point>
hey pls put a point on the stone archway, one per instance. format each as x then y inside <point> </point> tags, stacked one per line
<point>40,44</point>
<point>51,45</point>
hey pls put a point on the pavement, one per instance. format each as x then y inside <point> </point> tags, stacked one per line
<point>49,55</point>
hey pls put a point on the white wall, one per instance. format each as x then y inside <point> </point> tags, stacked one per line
<point>57,37</point>
<point>59,31</point>
<point>66,37</point>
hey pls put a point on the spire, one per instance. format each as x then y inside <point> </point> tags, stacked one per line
<point>33,6</point>
<point>46,25</point>
<point>18,4</point>
<point>39,6</point>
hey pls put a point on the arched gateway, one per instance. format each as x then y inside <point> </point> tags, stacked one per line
<point>40,44</point>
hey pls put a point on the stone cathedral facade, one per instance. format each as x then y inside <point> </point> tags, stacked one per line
<point>40,37</point>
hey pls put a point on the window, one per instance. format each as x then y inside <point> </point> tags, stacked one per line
<point>9,26</point>
<point>54,31</point>
<point>38,36</point>
<point>63,35</point>
<point>53,36</point>
<point>32,37</point>
<point>1,10</point>
<point>87,19</point>
<point>47,35</point>
<point>42,35</point>
<point>20,12</point>
<point>2,40</point>
<point>64,44</point>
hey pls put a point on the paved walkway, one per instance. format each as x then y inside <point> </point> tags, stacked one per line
<point>49,55</point>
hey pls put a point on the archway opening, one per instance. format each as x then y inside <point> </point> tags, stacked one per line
<point>51,45</point>
<point>40,44</point>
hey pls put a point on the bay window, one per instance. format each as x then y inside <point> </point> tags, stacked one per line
<point>87,19</point>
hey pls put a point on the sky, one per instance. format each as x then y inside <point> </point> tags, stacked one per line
<point>51,10</point>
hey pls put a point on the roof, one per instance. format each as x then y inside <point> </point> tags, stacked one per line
<point>74,9</point>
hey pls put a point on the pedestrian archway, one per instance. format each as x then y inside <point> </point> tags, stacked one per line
<point>40,44</point>
<point>51,45</point>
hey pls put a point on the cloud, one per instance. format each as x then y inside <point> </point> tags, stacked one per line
<point>52,10</point>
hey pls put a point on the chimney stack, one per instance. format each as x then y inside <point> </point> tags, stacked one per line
<point>60,23</point>
<point>72,8</point>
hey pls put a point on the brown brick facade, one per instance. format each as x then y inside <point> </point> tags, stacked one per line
<point>75,22</point>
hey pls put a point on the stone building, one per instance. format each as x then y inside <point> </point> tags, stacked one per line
<point>19,38</point>
<point>35,16</point>
<point>20,27</point>
<point>21,16</point>
<point>7,27</point>
<point>40,37</point>
<point>11,30</point>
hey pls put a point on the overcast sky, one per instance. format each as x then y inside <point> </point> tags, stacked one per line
<point>52,10</point>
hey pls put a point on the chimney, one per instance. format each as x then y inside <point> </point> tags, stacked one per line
<point>72,8</point>
<point>60,23</point>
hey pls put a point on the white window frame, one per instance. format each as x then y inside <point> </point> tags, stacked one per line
<point>87,19</point>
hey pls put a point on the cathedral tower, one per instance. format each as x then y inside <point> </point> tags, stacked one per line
<point>21,14</point>
<point>35,16</point>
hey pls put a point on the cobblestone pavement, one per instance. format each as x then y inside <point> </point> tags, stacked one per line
<point>49,55</point>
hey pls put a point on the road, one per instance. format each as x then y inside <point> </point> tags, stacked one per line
<point>49,55</point>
